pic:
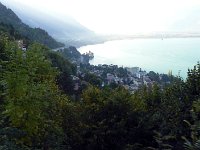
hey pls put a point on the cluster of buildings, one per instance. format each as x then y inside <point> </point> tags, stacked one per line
<point>132,78</point>
<point>135,79</point>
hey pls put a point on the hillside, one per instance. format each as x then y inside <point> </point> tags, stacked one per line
<point>62,28</point>
<point>37,110</point>
<point>68,31</point>
<point>7,16</point>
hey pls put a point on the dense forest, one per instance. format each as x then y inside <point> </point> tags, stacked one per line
<point>9,18</point>
<point>37,110</point>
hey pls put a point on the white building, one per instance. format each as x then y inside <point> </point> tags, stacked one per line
<point>133,70</point>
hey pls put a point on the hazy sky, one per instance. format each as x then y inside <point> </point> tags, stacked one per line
<point>118,16</point>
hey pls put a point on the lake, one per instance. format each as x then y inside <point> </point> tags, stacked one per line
<point>159,55</point>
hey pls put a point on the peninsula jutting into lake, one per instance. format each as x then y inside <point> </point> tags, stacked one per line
<point>176,54</point>
<point>99,75</point>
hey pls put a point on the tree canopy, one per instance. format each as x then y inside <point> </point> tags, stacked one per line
<point>37,112</point>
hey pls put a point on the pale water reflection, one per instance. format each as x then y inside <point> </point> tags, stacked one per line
<point>176,54</point>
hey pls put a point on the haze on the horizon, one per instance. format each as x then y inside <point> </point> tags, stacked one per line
<point>120,16</point>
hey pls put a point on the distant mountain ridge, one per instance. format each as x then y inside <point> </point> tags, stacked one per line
<point>63,28</point>
<point>7,16</point>
<point>68,31</point>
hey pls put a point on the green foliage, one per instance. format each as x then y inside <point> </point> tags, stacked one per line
<point>9,29</point>
<point>32,99</point>
<point>61,63</point>
<point>193,81</point>
<point>121,72</point>
<point>93,79</point>
<point>162,141</point>
<point>34,114</point>
<point>154,76</point>
<point>66,69</point>
<point>111,120</point>
<point>71,53</point>
<point>193,142</point>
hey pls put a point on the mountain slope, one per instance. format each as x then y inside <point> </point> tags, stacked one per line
<point>7,16</point>
<point>68,31</point>
<point>63,28</point>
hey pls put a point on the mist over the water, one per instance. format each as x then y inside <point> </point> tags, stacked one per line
<point>176,54</point>
<point>118,17</point>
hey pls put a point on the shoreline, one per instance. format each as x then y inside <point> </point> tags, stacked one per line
<point>133,38</point>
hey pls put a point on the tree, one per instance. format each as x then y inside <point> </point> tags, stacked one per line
<point>154,76</point>
<point>193,81</point>
<point>112,120</point>
<point>66,69</point>
<point>33,101</point>
<point>93,79</point>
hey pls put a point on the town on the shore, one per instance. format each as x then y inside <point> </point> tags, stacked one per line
<point>102,75</point>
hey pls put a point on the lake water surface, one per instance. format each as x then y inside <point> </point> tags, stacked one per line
<point>176,54</point>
